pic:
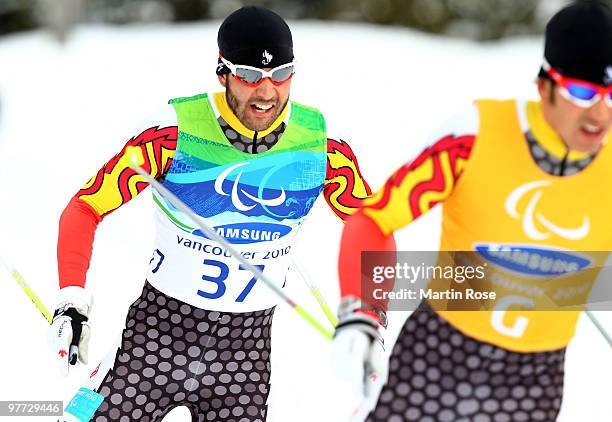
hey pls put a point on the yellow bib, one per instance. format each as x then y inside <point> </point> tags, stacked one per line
<point>504,201</point>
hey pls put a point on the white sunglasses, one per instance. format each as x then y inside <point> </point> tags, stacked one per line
<point>254,76</point>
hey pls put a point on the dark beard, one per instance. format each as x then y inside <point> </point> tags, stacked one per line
<point>232,102</point>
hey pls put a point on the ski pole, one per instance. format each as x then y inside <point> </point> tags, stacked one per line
<point>599,327</point>
<point>134,159</point>
<point>26,288</point>
<point>315,291</point>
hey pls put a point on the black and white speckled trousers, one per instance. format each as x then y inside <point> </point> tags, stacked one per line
<point>172,354</point>
<point>438,374</point>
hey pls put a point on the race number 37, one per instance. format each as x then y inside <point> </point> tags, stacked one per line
<point>217,282</point>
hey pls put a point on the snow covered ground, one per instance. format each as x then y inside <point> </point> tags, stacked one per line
<point>67,109</point>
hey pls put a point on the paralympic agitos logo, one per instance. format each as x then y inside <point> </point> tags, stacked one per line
<point>530,215</point>
<point>237,192</point>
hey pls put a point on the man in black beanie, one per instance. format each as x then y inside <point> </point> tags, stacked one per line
<point>577,68</point>
<point>526,188</point>
<point>250,163</point>
<point>258,38</point>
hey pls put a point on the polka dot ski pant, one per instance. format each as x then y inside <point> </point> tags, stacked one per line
<point>438,374</point>
<point>174,354</point>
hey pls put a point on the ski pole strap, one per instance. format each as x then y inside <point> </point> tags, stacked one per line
<point>350,304</point>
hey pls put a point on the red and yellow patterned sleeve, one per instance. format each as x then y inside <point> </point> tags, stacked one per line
<point>417,187</point>
<point>116,183</point>
<point>345,188</point>
<point>410,192</point>
<point>112,186</point>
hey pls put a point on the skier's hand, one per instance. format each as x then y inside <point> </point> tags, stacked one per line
<point>358,352</point>
<point>69,333</point>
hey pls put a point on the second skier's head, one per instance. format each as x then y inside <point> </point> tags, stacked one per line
<point>575,81</point>
<point>255,65</point>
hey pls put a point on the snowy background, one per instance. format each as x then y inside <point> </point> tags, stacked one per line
<point>66,109</point>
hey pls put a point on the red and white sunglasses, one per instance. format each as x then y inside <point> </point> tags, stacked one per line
<point>582,93</point>
<point>253,76</point>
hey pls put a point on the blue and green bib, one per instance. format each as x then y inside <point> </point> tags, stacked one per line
<point>255,201</point>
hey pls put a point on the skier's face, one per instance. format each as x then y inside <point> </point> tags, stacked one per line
<point>582,129</point>
<point>256,107</point>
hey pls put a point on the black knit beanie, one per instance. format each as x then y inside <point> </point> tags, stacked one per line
<point>254,36</point>
<point>578,42</point>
